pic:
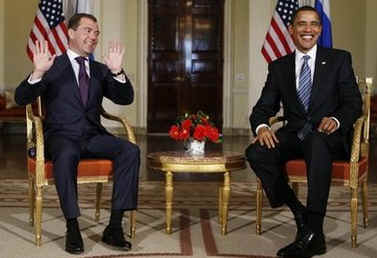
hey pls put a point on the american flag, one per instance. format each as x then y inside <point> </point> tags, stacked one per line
<point>49,25</point>
<point>278,41</point>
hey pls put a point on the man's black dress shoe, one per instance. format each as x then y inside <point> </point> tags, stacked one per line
<point>115,238</point>
<point>308,245</point>
<point>301,221</point>
<point>73,240</point>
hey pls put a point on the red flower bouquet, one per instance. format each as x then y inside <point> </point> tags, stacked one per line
<point>196,126</point>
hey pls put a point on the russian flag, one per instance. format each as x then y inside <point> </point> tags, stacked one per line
<point>323,8</point>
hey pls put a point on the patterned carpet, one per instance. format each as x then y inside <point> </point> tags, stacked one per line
<point>196,231</point>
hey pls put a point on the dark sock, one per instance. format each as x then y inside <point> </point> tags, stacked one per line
<point>293,203</point>
<point>72,222</point>
<point>315,222</point>
<point>116,218</point>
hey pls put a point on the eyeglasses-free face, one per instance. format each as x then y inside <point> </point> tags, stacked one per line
<point>305,30</point>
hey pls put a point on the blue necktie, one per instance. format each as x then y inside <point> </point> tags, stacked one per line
<point>305,83</point>
<point>83,80</point>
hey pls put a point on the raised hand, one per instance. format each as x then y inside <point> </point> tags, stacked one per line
<point>42,59</point>
<point>114,57</point>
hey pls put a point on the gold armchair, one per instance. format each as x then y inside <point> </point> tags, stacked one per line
<point>40,170</point>
<point>351,173</point>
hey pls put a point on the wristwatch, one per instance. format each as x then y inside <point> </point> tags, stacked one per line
<point>118,73</point>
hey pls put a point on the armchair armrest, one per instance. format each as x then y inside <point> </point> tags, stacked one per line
<point>127,127</point>
<point>275,119</point>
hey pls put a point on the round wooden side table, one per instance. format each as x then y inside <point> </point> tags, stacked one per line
<point>211,162</point>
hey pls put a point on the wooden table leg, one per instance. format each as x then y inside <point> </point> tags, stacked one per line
<point>226,193</point>
<point>221,204</point>
<point>98,201</point>
<point>258,223</point>
<point>169,199</point>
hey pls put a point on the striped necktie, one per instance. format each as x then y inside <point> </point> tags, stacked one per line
<point>305,83</point>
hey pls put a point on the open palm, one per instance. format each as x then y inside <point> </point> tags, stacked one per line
<point>114,57</point>
<point>42,59</point>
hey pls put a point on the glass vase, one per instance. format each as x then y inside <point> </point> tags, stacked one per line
<point>195,147</point>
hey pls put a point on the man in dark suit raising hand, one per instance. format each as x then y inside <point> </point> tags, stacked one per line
<point>321,101</point>
<point>72,88</point>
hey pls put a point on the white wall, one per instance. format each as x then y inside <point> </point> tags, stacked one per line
<point>371,41</point>
<point>240,70</point>
<point>2,42</point>
<point>17,20</point>
<point>349,33</point>
<point>260,17</point>
<point>118,21</point>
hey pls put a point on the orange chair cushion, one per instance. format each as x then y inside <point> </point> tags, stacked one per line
<point>340,169</point>
<point>86,168</point>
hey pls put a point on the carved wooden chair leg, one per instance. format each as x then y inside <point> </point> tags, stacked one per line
<point>258,223</point>
<point>364,189</point>
<point>354,217</point>
<point>98,201</point>
<point>38,216</point>
<point>132,221</point>
<point>31,199</point>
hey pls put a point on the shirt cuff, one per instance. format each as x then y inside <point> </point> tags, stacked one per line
<point>31,81</point>
<point>120,78</point>
<point>336,121</point>
<point>260,126</point>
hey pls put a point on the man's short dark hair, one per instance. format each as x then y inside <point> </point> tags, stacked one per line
<point>305,8</point>
<point>74,22</point>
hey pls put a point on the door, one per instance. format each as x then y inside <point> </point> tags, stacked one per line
<point>185,61</point>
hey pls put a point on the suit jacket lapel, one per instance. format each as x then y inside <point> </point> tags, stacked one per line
<point>291,75</point>
<point>93,80</point>
<point>319,72</point>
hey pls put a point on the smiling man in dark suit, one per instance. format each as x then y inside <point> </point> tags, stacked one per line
<point>72,88</point>
<point>321,101</point>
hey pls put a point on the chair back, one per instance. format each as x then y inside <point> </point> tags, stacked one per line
<point>365,87</point>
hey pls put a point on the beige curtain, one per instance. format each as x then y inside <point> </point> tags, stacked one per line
<point>306,2</point>
<point>69,8</point>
